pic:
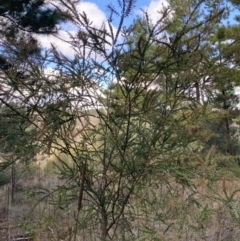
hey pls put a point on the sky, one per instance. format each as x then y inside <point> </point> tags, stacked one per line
<point>97,12</point>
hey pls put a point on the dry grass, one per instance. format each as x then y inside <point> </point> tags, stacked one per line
<point>47,222</point>
<point>216,219</point>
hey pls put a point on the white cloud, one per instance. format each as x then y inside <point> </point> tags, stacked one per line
<point>237,93</point>
<point>58,41</point>
<point>97,18</point>
<point>95,15</point>
<point>154,9</point>
<point>50,72</point>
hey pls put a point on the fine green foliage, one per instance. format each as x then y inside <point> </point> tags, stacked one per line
<point>138,128</point>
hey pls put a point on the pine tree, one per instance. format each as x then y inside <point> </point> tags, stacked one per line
<point>31,15</point>
<point>18,21</point>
